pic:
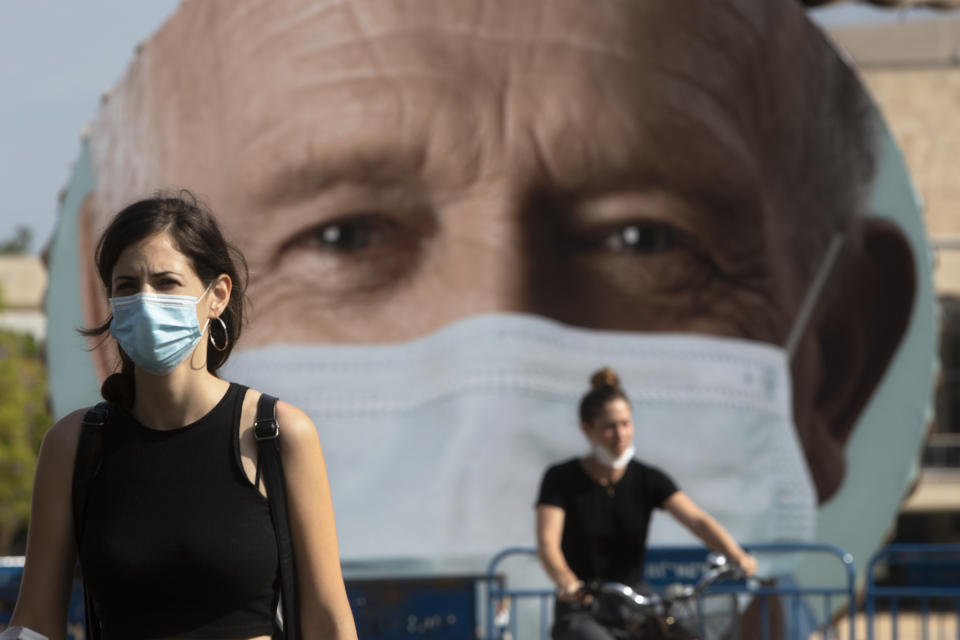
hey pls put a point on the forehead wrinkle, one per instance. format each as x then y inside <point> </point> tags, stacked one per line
<point>273,23</point>
<point>370,43</point>
<point>613,40</point>
<point>602,49</point>
<point>724,103</point>
<point>619,45</point>
<point>373,47</point>
<point>321,167</point>
<point>282,51</point>
<point>628,54</point>
<point>456,17</point>
<point>641,118</point>
<point>364,29</point>
<point>370,128</point>
<point>456,35</point>
<point>730,35</point>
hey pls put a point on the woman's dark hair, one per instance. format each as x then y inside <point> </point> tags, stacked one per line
<point>604,388</point>
<point>196,234</point>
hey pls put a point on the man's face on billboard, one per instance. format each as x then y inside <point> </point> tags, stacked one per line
<point>397,167</point>
<point>390,167</point>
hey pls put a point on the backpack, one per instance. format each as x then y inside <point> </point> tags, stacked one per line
<point>267,432</point>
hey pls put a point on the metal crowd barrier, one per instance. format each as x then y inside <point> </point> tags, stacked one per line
<point>384,608</point>
<point>913,592</point>
<point>783,610</point>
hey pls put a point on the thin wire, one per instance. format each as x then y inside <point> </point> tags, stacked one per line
<point>813,293</point>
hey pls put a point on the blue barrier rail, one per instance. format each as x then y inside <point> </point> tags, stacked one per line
<point>803,609</point>
<point>388,608</point>
<point>915,591</point>
<point>905,585</point>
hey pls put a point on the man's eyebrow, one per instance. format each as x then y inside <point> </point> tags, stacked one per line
<point>321,171</point>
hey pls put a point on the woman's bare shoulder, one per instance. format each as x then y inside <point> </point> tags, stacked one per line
<point>295,420</point>
<point>296,428</point>
<point>294,423</point>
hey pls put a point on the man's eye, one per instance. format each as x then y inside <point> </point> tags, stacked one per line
<point>640,238</point>
<point>630,237</point>
<point>356,253</point>
<point>348,236</point>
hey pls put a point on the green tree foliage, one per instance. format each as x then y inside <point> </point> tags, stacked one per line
<point>24,420</point>
<point>19,243</point>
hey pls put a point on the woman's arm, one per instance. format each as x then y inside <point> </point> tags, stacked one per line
<point>702,525</point>
<point>549,535</point>
<point>51,550</point>
<point>324,608</point>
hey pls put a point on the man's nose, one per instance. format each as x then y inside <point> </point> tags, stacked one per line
<point>490,254</point>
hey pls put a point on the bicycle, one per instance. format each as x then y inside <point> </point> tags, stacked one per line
<point>676,614</point>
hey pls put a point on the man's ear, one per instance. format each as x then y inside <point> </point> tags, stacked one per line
<point>863,315</point>
<point>96,309</point>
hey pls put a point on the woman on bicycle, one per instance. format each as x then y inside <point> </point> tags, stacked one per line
<point>176,539</point>
<point>593,512</point>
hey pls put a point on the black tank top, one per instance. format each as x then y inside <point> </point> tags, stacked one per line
<point>177,541</point>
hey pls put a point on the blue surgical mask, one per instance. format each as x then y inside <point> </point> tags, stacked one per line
<point>158,331</point>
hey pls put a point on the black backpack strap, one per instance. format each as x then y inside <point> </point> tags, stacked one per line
<point>85,467</point>
<point>267,431</point>
<point>87,461</point>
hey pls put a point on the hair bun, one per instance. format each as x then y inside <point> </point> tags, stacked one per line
<point>119,389</point>
<point>605,377</point>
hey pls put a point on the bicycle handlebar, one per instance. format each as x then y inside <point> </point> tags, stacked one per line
<point>624,592</point>
<point>719,568</point>
<point>726,571</point>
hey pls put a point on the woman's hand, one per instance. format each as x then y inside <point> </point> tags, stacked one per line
<point>570,591</point>
<point>573,591</point>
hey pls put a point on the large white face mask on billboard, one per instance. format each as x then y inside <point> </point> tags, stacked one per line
<point>436,446</point>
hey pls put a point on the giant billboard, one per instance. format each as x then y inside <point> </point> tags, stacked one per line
<point>453,212</point>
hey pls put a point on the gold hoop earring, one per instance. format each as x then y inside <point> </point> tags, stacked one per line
<point>226,336</point>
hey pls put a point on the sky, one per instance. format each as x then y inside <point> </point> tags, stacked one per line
<point>58,57</point>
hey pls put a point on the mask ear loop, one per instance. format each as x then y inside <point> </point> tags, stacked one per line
<point>813,293</point>
<point>226,336</point>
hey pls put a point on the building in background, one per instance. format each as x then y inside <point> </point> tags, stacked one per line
<point>23,283</point>
<point>913,70</point>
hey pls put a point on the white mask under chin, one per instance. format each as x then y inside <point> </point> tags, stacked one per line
<point>607,459</point>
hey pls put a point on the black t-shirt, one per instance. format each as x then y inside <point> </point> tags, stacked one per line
<point>177,541</point>
<point>605,528</point>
